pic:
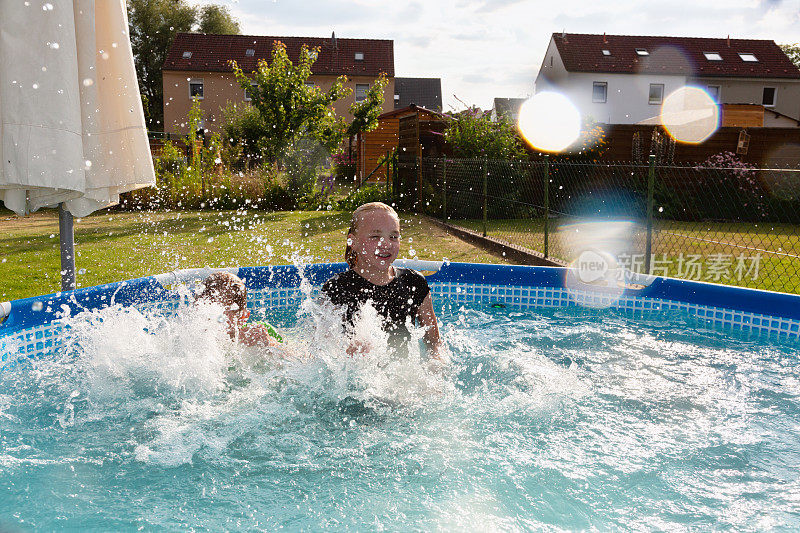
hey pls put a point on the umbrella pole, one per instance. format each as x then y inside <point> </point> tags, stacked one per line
<point>67,238</point>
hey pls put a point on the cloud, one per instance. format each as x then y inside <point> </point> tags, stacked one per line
<point>495,5</point>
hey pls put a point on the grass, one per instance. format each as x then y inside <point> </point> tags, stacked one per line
<point>675,242</point>
<point>114,245</point>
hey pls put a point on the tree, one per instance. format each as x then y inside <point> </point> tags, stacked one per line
<point>218,20</point>
<point>289,109</point>
<point>366,112</point>
<point>473,135</point>
<point>792,51</point>
<point>153,25</point>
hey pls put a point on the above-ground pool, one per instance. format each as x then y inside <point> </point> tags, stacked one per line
<point>663,405</point>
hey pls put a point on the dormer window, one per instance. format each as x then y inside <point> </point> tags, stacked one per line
<point>250,52</point>
<point>359,56</point>
<point>747,56</point>
<point>606,52</point>
<point>642,52</point>
<point>187,55</point>
<point>713,56</point>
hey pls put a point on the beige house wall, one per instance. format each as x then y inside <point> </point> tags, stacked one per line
<point>219,88</point>
<point>751,91</point>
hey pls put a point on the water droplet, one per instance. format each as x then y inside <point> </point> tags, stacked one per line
<point>54,46</point>
<point>82,271</point>
<point>660,209</point>
<point>87,164</point>
<point>210,239</point>
<point>88,82</point>
<point>35,86</point>
<point>37,306</point>
<point>47,7</point>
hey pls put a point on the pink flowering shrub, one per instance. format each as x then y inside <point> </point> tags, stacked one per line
<point>732,188</point>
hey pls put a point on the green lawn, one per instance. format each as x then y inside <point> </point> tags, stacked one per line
<point>113,246</point>
<point>676,246</point>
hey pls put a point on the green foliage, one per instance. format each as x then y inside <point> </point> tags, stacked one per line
<point>366,112</point>
<point>242,129</point>
<point>368,193</point>
<point>218,20</point>
<point>344,166</point>
<point>792,51</point>
<point>289,109</point>
<point>153,25</point>
<point>472,134</point>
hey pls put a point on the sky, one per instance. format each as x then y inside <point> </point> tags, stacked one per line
<point>482,49</point>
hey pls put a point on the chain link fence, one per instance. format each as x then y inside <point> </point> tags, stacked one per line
<point>724,224</point>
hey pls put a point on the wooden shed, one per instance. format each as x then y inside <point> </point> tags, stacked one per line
<point>374,145</point>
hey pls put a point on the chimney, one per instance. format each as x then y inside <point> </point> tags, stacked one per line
<point>333,39</point>
<point>604,38</point>
<point>729,40</point>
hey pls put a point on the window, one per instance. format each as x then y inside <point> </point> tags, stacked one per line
<point>713,92</point>
<point>713,56</point>
<point>397,98</point>
<point>361,91</point>
<point>196,89</point>
<point>656,95</point>
<point>247,95</point>
<point>747,56</point>
<point>359,56</point>
<point>642,52</point>
<point>187,55</point>
<point>768,98</point>
<point>606,52</point>
<point>250,52</point>
<point>599,92</point>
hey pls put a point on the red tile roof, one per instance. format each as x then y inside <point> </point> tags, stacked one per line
<point>673,55</point>
<point>212,53</point>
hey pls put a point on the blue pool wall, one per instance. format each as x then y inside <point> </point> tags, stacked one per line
<point>32,326</point>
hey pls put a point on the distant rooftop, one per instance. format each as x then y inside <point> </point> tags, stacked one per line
<point>507,107</point>
<point>424,92</point>
<point>691,56</point>
<point>208,52</point>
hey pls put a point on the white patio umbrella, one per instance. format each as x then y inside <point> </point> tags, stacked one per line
<point>72,128</point>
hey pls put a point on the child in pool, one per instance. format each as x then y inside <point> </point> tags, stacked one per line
<point>228,290</point>
<point>398,294</point>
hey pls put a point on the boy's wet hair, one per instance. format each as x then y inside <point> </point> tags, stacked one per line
<point>349,255</point>
<point>224,288</point>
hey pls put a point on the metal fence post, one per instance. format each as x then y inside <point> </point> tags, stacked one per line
<point>485,180</point>
<point>546,203</point>
<point>651,179</point>
<point>444,188</point>
<point>388,158</point>
<point>418,199</point>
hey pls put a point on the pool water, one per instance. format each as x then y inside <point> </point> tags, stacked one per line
<point>545,420</point>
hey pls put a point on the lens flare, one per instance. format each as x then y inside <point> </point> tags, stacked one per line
<point>690,115</point>
<point>549,122</point>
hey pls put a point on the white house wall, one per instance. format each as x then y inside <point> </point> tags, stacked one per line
<point>627,95</point>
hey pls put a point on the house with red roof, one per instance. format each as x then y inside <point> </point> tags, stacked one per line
<point>198,66</point>
<point>623,79</point>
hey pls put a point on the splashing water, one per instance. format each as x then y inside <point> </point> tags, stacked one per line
<point>544,420</point>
